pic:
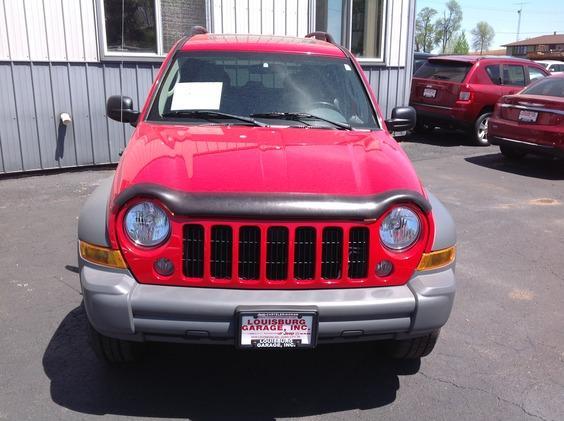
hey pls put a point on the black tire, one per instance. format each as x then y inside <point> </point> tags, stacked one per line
<point>512,153</point>
<point>409,349</point>
<point>480,133</point>
<point>422,127</point>
<point>114,351</point>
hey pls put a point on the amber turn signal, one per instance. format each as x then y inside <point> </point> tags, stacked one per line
<point>437,259</point>
<point>101,255</point>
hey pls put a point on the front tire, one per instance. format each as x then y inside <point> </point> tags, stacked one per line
<point>511,153</point>
<point>409,349</point>
<point>480,133</point>
<point>114,351</point>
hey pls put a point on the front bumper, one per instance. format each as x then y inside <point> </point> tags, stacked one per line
<point>120,307</point>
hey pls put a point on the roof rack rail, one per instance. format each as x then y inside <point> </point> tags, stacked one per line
<point>322,36</point>
<point>198,30</point>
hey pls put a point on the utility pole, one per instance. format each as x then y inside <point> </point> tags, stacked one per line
<point>518,24</point>
<point>521,4</point>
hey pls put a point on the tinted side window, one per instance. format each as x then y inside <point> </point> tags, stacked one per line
<point>535,73</point>
<point>513,75</point>
<point>494,73</point>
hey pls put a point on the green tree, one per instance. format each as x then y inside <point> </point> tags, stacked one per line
<point>482,36</point>
<point>425,38</point>
<point>448,25</point>
<point>461,44</point>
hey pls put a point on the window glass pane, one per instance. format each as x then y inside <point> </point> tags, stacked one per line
<point>139,30</point>
<point>444,70</point>
<point>178,17</point>
<point>360,32</point>
<point>329,17</point>
<point>549,87</point>
<point>513,75</point>
<point>259,83</point>
<point>535,74</point>
<point>494,74</point>
<point>366,30</point>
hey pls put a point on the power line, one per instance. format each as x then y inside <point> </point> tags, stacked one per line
<point>541,32</point>
<point>490,9</point>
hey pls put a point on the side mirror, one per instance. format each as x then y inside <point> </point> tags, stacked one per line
<point>403,119</point>
<point>120,108</point>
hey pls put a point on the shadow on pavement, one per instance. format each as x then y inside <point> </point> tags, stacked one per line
<point>213,382</point>
<point>439,137</point>
<point>530,166</point>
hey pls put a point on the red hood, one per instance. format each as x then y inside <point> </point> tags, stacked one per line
<point>264,160</point>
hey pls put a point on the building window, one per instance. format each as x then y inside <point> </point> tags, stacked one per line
<point>356,24</point>
<point>130,28</point>
<point>179,17</point>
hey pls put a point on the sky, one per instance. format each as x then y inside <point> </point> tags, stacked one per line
<point>538,17</point>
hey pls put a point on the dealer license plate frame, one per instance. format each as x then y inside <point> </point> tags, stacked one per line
<point>300,313</point>
<point>528,116</point>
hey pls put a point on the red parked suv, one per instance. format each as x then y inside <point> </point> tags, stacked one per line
<point>461,91</point>
<point>262,202</point>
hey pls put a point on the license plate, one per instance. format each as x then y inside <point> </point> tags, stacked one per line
<point>277,329</point>
<point>528,116</point>
<point>429,93</point>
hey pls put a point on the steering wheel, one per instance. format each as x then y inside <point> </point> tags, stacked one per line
<point>324,104</point>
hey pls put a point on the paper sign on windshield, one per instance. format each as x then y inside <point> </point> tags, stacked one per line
<point>197,96</point>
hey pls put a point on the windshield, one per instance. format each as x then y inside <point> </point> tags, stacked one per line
<point>273,89</point>
<point>453,71</point>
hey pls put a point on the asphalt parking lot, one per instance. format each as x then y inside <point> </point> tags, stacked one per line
<point>501,356</point>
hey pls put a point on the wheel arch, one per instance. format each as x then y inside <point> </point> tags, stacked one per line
<point>92,222</point>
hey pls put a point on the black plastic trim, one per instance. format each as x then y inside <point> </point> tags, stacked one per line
<point>275,205</point>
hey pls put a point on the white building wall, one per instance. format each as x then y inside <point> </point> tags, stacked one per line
<point>265,17</point>
<point>49,64</point>
<point>48,30</point>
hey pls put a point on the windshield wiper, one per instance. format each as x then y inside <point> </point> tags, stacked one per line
<point>300,117</point>
<point>212,115</point>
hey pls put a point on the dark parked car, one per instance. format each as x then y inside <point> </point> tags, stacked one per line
<point>461,91</point>
<point>531,121</point>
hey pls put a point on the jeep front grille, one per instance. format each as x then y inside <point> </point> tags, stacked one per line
<point>276,253</point>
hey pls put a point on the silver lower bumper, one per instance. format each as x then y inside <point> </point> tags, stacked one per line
<point>118,306</point>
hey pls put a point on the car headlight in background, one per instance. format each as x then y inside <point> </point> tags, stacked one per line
<point>400,228</point>
<point>147,224</point>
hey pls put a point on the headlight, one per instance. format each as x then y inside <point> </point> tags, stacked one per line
<point>147,224</point>
<point>400,228</point>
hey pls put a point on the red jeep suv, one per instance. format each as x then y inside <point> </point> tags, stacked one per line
<point>262,202</point>
<point>461,91</point>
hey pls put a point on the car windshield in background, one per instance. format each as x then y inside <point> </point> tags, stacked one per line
<point>274,89</point>
<point>552,86</point>
<point>451,71</point>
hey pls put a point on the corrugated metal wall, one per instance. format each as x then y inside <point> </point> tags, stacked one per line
<point>34,95</point>
<point>49,65</point>
<point>392,83</point>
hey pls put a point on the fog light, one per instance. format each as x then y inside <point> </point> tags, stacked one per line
<point>384,268</point>
<point>164,267</point>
